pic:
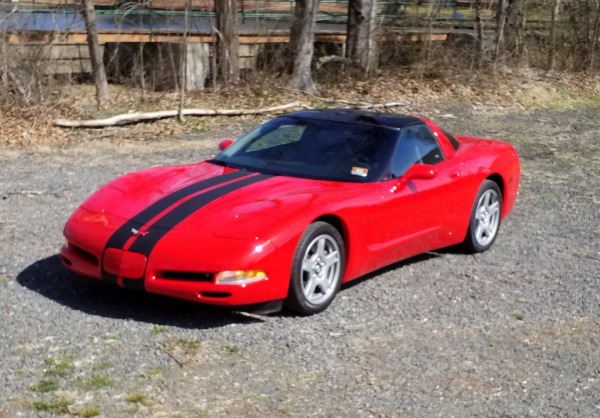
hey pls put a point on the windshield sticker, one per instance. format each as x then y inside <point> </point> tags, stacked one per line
<point>360,171</point>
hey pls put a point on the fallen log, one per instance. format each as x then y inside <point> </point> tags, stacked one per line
<point>136,117</point>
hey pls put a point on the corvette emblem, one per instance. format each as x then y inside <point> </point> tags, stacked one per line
<point>136,233</point>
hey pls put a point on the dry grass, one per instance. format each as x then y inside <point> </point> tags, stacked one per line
<point>26,126</point>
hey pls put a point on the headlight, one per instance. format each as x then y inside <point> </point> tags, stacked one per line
<point>240,276</point>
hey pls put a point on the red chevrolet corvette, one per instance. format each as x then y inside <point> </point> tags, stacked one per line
<point>289,212</point>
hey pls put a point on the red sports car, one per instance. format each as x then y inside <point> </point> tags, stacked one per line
<point>289,212</point>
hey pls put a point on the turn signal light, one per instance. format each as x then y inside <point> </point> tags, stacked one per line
<point>240,276</point>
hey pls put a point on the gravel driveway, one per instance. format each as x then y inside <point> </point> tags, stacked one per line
<point>514,332</point>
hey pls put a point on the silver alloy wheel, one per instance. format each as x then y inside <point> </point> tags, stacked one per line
<point>321,268</point>
<point>487,217</point>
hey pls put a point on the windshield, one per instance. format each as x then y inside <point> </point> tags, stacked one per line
<point>313,148</point>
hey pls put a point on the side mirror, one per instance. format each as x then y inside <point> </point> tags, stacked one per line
<point>415,172</point>
<point>419,172</point>
<point>226,143</point>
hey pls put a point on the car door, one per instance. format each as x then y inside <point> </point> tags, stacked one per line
<point>417,201</point>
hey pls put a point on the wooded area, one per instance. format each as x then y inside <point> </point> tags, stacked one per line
<point>480,35</point>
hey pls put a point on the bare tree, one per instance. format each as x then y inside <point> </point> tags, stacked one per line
<point>89,15</point>
<point>479,29</point>
<point>552,49</point>
<point>184,60</point>
<point>584,17</point>
<point>361,47</point>
<point>500,23</point>
<point>424,60</point>
<point>516,16</point>
<point>227,42</point>
<point>302,38</point>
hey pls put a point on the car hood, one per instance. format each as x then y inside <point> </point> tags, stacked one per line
<point>232,196</point>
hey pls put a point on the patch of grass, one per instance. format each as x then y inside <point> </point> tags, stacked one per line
<point>564,98</point>
<point>89,412</point>
<point>44,386</point>
<point>94,382</point>
<point>56,406</point>
<point>61,367</point>
<point>131,410</point>
<point>157,371</point>
<point>105,365</point>
<point>157,329</point>
<point>188,346</point>
<point>136,398</point>
<point>230,349</point>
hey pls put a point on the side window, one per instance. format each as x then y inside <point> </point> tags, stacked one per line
<point>416,144</point>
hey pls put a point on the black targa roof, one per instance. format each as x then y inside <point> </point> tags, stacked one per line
<point>389,120</point>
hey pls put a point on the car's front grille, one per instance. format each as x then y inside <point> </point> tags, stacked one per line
<point>190,276</point>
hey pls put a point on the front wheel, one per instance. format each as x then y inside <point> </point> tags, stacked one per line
<point>317,269</point>
<point>485,218</point>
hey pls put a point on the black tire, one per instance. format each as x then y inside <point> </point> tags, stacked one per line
<point>484,223</point>
<point>314,285</point>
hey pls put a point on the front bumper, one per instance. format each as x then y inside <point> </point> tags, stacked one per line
<point>196,284</point>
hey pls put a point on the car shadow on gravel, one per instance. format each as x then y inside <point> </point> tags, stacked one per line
<point>50,279</point>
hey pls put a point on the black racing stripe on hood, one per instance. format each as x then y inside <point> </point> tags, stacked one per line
<point>145,244</point>
<point>122,235</point>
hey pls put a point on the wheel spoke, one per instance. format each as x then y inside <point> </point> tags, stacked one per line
<point>494,208</point>
<point>486,200</point>
<point>322,284</point>
<point>320,248</point>
<point>309,287</point>
<point>487,230</point>
<point>307,265</point>
<point>331,259</point>
<point>479,231</point>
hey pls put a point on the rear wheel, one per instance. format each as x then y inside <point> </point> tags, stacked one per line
<point>485,218</point>
<point>317,269</point>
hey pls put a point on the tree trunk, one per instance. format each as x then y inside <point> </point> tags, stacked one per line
<point>479,29</point>
<point>595,34</point>
<point>89,15</point>
<point>515,31</point>
<point>500,22</point>
<point>361,47</point>
<point>302,38</point>
<point>184,61</point>
<point>552,49</point>
<point>424,60</point>
<point>227,42</point>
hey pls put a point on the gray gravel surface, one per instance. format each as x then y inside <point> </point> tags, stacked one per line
<point>513,332</point>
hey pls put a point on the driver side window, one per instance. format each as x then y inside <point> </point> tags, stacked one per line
<point>416,144</point>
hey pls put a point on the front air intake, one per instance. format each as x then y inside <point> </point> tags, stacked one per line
<point>188,276</point>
